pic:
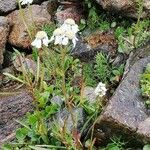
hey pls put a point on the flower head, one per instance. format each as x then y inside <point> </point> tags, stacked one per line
<point>69,21</point>
<point>65,33</point>
<point>70,25</point>
<point>70,36</point>
<point>24,2</point>
<point>57,36</point>
<point>62,37</point>
<point>100,90</point>
<point>40,38</point>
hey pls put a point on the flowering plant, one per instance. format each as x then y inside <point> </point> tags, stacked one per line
<point>61,36</point>
<point>100,90</point>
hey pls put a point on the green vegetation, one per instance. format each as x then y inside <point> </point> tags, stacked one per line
<point>116,144</point>
<point>145,85</point>
<point>102,71</point>
<point>129,34</point>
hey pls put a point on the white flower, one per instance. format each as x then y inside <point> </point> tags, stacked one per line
<point>57,36</point>
<point>24,2</point>
<point>40,38</point>
<point>100,90</point>
<point>70,25</point>
<point>62,38</point>
<point>69,36</point>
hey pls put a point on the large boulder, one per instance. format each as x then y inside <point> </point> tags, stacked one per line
<point>6,6</point>
<point>4,31</point>
<point>126,112</point>
<point>126,7</point>
<point>19,36</point>
<point>13,106</point>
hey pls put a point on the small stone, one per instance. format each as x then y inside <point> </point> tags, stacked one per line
<point>64,116</point>
<point>57,100</point>
<point>88,93</point>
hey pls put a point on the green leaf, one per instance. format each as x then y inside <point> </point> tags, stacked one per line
<point>112,146</point>
<point>116,72</point>
<point>21,134</point>
<point>23,124</point>
<point>146,76</point>
<point>13,77</point>
<point>146,147</point>
<point>6,147</point>
<point>32,119</point>
<point>52,109</point>
<point>33,136</point>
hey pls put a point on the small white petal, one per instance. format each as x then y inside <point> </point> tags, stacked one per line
<point>58,40</point>
<point>37,43</point>
<point>74,42</point>
<point>75,28</point>
<point>65,41</point>
<point>46,41</point>
<point>65,27</point>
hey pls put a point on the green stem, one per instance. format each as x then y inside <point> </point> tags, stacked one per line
<point>24,21</point>
<point>63,54</point>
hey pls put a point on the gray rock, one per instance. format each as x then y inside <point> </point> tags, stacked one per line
<point>13,106</point>
<point>73,10</point>
<point>64,117</point>
<point>144,130</point>
<point>126,7</point>
<point>4,31</point>
<point>88,93</point>
<point>141,52</point>
<point>87,48</point>
<point>126,110</point>
<point>57,100</point>
<point>6,6</point>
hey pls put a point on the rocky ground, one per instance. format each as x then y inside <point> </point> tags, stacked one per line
<point>125,112</point>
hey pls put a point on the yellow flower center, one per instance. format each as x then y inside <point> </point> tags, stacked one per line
<point>58,31</point>
<point>69,21</point>
<point>70,35</point>
<point>41,34</point>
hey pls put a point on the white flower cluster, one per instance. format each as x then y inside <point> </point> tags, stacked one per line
<point>61,35</point>
<point>100,90</point>
<point>65,33</point>
<point>25,2</point>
